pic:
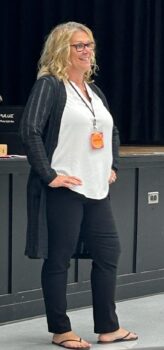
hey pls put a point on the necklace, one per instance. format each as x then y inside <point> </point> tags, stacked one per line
<point>91,109</point>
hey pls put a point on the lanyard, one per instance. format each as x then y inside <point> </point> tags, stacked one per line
<point>91,109</point>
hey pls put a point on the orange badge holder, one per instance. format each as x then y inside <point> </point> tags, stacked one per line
<point>97,140</point>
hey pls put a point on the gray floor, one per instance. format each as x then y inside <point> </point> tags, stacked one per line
<point>145,316</point>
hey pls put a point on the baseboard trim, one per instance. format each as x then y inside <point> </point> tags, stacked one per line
<point>78,299</point>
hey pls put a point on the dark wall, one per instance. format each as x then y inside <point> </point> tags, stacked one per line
<point>130,51</point>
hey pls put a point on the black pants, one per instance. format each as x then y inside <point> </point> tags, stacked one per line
<point>67,213</point>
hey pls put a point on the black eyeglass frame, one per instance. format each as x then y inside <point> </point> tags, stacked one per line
<point>83,46</point>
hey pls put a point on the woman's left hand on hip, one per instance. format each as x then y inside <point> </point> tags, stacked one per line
<point>113,177</point>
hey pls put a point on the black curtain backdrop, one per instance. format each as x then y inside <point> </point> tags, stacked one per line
<point>130,54</point>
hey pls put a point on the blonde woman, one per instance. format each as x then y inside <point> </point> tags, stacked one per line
<point>72,147</point>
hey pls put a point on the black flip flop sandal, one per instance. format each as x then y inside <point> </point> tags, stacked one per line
<point>118,340</point>
<point>68,347</point>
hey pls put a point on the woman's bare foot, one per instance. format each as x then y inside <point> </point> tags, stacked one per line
<point>120,334</point>
<point>70,340</point>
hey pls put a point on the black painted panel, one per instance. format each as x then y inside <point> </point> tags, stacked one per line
<point>123,204</point>
<point>4,233</point>
<point>25,271</point>
<point>72,272</point>
<point>84,268</point>
<point>150,245</point>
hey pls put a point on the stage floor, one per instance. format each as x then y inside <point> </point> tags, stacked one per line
<point>142,315</point>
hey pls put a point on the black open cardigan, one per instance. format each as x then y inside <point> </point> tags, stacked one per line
<point>39,130</point>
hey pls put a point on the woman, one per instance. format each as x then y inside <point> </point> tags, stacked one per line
<point>72,147</point>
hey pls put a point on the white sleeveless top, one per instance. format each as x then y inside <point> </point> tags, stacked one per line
<point>74,155</point>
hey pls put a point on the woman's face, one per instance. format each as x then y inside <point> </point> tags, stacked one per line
<point>80,57</point>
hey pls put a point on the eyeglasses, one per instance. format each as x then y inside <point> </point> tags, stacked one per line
<point>81,46</point>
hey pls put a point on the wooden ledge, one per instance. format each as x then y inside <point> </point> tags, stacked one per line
<point>141,150</point>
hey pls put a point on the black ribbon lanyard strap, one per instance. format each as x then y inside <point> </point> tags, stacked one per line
<point>91,110</point>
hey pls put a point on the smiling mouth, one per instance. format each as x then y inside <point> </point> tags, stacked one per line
<point>86,59</point>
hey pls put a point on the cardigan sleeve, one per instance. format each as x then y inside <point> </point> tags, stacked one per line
<point>32,128</point>
<point>115,147</point>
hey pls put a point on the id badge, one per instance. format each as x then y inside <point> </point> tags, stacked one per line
<point>97,140</point>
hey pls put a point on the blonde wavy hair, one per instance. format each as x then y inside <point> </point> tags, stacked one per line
<point>55,57</point>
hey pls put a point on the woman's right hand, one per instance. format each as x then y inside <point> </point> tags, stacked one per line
<point>65,181</point>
